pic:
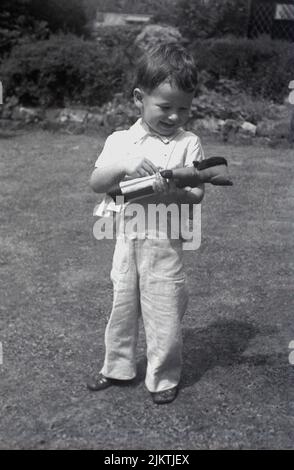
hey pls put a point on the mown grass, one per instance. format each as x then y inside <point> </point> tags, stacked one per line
<point>56,296</point>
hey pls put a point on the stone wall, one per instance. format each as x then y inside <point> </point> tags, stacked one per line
<point>211,114</point>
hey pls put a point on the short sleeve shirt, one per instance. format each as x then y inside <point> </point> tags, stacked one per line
<point>177,151</point>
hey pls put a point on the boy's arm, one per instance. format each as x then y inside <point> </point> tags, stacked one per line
<point>103,178</point>
<point>112,166</point>
<point>107,170</point>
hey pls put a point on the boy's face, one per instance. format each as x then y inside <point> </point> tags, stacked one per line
<point>164,109</point>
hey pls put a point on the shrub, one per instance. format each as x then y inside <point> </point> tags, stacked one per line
<point>119,38</point>
<point>155,34</point>
<point>64,69</point>
<point>264,67</point>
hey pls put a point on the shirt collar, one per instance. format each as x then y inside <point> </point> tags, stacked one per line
<point>139,131</point>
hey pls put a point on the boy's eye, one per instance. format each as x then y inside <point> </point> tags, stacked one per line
<point>165,107</point>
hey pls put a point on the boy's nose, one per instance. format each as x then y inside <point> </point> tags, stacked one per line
<point>173,117</point>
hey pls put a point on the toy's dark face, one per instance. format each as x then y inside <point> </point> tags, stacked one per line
<point>165,109</point>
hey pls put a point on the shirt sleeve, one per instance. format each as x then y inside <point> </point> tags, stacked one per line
<point>195,151</point>
<point>112,150</point>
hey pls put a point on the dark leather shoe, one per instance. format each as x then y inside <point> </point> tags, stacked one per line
<point>100,382</point>
<point>166,396</point>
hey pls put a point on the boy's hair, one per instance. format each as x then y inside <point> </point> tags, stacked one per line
<point>167,62</point>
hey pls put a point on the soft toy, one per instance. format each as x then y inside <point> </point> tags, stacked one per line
<point>211,170</point>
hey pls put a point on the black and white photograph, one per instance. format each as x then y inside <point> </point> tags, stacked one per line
<point>146,243</point>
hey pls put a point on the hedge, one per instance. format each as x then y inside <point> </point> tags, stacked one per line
<point>264,67</point>
<point>66,69</point>
<point>63,69</point>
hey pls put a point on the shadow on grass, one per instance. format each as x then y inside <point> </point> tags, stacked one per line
<point>222,343</point>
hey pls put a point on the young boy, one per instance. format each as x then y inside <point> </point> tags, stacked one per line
<point>147,270</point>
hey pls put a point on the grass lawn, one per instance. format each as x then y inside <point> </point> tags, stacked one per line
<point>237,387</point>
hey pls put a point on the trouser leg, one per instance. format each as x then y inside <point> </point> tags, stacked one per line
<point>163,301</point>
<point>122,329</point>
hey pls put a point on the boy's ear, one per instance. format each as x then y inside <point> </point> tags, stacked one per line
<point>138,97</point>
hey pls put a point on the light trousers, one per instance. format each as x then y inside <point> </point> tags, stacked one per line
<point>148,280</point>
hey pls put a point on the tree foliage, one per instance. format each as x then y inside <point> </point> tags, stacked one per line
<point>212,18</point>
<point>16,23</point>
<point>21,20</point>
<point>60,15</point>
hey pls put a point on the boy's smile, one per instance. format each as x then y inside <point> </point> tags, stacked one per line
<point>165,109</point>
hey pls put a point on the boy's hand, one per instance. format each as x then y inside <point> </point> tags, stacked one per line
<point>162,185</point>
<point>139,166</point>
<point>167,188</point>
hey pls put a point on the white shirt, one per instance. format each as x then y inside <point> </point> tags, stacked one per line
<point>176,151</point>
<point>179,150</point>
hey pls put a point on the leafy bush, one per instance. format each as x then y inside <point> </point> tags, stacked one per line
<point>120,39</point>
<point>264,67</point>
<point>155,34</point>
<point>64,69</point>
